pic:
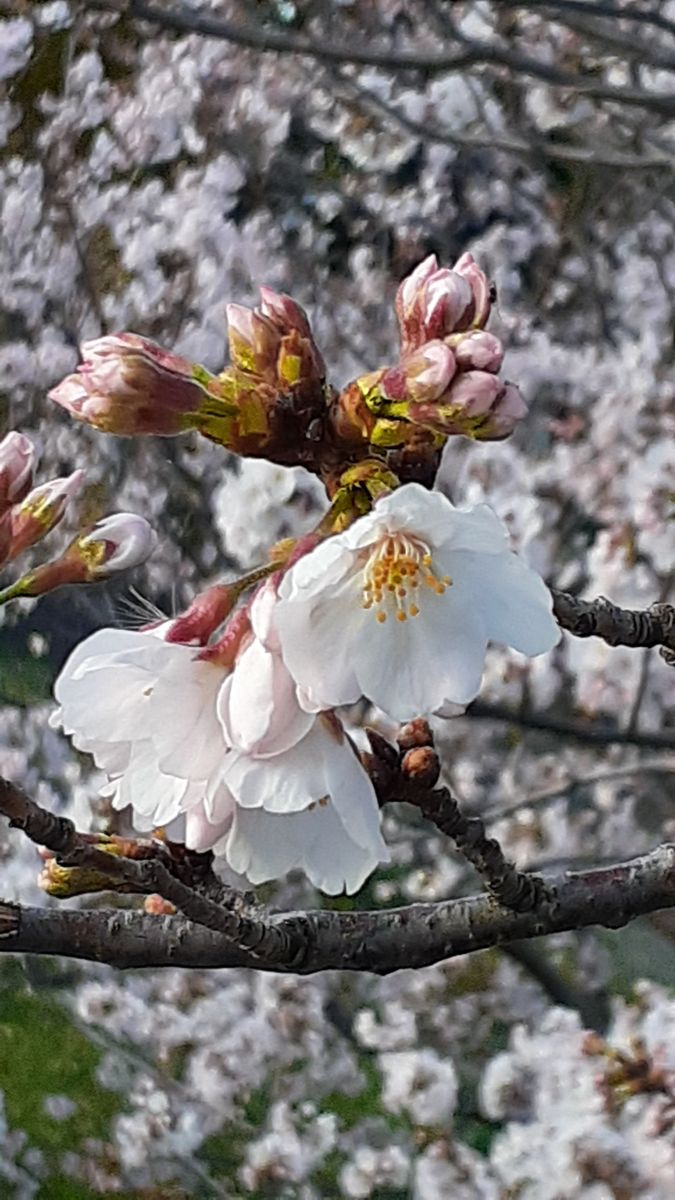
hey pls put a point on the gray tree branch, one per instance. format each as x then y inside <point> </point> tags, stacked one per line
<point>379,942</point>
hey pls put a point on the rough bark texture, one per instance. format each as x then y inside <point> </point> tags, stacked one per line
<point>379,942</point>
<point>654,626</point>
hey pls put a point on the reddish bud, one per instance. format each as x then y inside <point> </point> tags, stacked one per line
<point>432,303</point>
<point>421,766</point>
<point>284,313</point>
<point>481,292</point>
<point>422,375</point>
<point>41,511</point>
<point>415,733</point>
<point>129,385</point>
<point>202,618</point>
<point>17,468</point>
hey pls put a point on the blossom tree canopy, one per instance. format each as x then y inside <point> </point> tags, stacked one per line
<point>336,602</point>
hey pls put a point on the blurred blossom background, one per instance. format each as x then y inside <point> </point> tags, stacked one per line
<point>148,176</point>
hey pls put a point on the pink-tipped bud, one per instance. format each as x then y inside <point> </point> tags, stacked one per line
<point>422,375</point>
<point>505,415</point>
<point>129,385</point>
<point>253,340</point>
<point>41,511</point>
<point>477,404</point>
<point>283,312</point>
<point>117,543</point>
<point>432,303</point>
<point>17,468</point>
<point>478,351</point>
<point>202,618</point>
<point>481,292</point>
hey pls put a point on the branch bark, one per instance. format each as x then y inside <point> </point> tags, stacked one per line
<point>653,626</point>
<point>378,942</point>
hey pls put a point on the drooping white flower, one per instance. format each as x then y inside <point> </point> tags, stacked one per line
<point>401,606</point>
<point>145,709</point>
<point>303,798</point>
<point>262,782</point>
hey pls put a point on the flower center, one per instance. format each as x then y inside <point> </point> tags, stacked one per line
<point>396,571</point>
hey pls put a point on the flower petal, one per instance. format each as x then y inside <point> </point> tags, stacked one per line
<point>516,604</point>
<point>264,846</point>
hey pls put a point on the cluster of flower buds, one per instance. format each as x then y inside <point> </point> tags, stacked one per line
<point>28,514</point>
<point>276,371</point>
<point>129,385</point>
<point>446,380</point>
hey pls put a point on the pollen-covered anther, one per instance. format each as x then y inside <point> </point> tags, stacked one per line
<point>395,570</point>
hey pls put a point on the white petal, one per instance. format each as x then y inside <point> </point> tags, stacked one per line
<point>412,668</point>
<point>516,604</point>
<point>182,718</point>
<point>283,784</point>
<point>154,797</point>
<point>322,568</point>
<point>200,833</point>
<point>318,641</point>
<point>263,846</point>
<point>257,705</point>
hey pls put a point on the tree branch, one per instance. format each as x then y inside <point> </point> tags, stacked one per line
<point>474,53</point>
<point>380,942</point>
<point>654,626</point>
<point>592,732</point>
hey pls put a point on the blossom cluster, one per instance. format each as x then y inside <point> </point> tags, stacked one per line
<point>240,736</point>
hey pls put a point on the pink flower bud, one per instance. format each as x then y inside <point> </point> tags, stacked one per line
<point>205,614</point>
<point>17,468</point>
<point>478,351</point>
<point>431,303</point>
<point>41,511</point>
<point>476,404</point>
<point>117,543</point>
<point>129,385</point>
<point>283,312</point>
<point>506,413</point>
<point>253,340</point>
<point>421,375</point>
<point>481,291</point>
<point>408,290</point>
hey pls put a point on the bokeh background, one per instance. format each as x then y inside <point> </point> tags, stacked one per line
<point>150,174</point>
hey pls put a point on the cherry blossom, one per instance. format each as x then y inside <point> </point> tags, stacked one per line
<point>400,607</point>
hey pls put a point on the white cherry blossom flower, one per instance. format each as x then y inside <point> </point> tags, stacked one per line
<point>262,782</point>
<point>401,606</point>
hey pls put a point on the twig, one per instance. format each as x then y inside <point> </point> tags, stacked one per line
<point>410,775</point>
<point>151,870</point>
<point>585,731</point>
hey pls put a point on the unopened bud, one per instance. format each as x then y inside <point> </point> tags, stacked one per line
<point>422,375</point>
<point>129,385</point>
<point>202,618</point>
<point>253,340</point>
<point>17,468</point>
<point>505,415</point>
<point>41,511</point>
<point>432,303</point>
<point>421,766</point>
<point>284,313</point>
<point>478,350</point>
<point>117,543</point>
<point>415,733</point>
<point>477,404</point>
<point>481,291</point>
